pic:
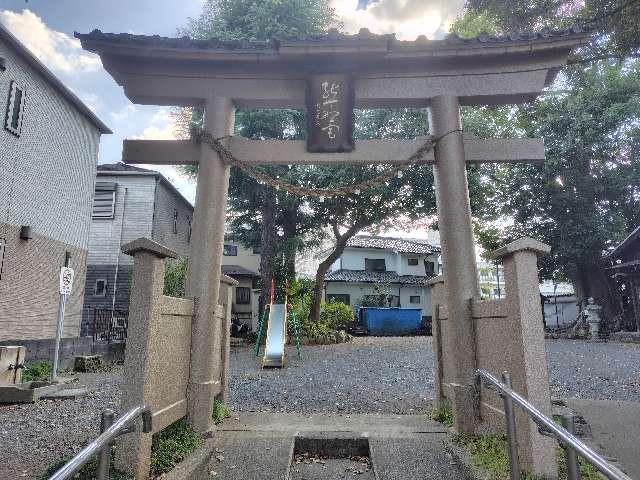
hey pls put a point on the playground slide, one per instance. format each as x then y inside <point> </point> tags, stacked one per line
<point>276,337</point>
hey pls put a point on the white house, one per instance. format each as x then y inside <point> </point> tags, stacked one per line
<point>396,267</point>
<point>243,265</point>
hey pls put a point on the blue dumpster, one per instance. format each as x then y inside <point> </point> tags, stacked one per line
<point>390,321</point>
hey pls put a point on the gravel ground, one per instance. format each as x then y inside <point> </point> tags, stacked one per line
<point>34,436</point>
<point>376,375</point>
<point>596,371</point>
<point>385,375</point>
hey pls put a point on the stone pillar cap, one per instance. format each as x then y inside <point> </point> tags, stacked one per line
<point>144,244</point>
<point>228,280</point>
<point>522,244</point>
<point>435,280</point>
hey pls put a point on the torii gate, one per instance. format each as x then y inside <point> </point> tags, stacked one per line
<point>442,75</point>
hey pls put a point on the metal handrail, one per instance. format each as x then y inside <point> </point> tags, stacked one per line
<point>102,444</point>
<point>548,427</point>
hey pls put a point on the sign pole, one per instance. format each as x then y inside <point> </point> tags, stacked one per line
<point>56,355</point>
<point>66,284</point>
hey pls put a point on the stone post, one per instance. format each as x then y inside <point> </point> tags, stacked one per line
<point>458,255</point>
<point>226,300</point>
<point>528,357</point>
<point>205,263</point>
<point>147,285</point>
<point>437,293</point>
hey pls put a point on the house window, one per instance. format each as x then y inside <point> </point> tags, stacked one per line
<point>412,262</point>
<point>175,221</point>
<point>15,109</point>
<point>429,268</point>
<point>243,295</point>
<point>375,265</point>
<point>3,246</point>
<point>188,229</point>
<point>230,250</point>
<point>100,288</point>
<point>339,297</point>
<point>414,299</point>
<point>104,200</point>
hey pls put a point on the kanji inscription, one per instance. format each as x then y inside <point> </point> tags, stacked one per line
<point>330,103</point>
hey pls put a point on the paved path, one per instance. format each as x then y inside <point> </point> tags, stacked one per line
<point>615,428</point>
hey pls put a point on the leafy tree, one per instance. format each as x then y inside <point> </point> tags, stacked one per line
<point>616,23</point>
<point>261,216</point>
<point>587,194</point>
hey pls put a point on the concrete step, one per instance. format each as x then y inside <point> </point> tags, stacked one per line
<point>251,456</point>
<point>262,446</point>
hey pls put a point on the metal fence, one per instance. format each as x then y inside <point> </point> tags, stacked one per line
<point>563,435</point>
<point>109,325</point>
<point>103,444</point>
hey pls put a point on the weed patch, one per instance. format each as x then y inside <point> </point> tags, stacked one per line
<point>172,445</point>
<point>219,412</point>
<point>37,372</point>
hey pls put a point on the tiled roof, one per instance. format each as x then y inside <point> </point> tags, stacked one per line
<point>362,276</point>
<point>623,246</point>
<point>331,37</point>
<point>122,167</point>
<point>238,271</point>
<point>396,244</point>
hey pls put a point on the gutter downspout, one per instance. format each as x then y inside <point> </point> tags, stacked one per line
<point>115,276</point>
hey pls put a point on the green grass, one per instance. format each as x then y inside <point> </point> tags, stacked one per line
<point>443,414</point>
<point>489,454</point>
<point>88,472</point>
<point>37,372</point>
<point>219,412</point>
<point>172,445</point>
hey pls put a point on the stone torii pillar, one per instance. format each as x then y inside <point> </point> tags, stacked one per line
<point>205,265</point>
<point>458,253</point>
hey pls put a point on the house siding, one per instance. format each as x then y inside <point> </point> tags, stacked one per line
<point>144,208</point>
<point>46,182</point>
<point>358,290</point>
<point>166,203</point>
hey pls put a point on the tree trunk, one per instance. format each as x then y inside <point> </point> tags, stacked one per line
<point>290,232</point>
<point>592,281</point>
<point>268,239</point>
<point>323,268</point>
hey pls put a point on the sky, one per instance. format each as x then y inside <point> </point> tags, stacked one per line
<point>46,27</point>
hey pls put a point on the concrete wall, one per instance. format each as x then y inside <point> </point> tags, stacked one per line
<point>358,290</point>
<point>46,182</point>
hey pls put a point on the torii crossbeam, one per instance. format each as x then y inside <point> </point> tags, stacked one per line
<point>221,76</point>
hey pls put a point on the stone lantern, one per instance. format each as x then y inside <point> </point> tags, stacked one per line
<point>593,317</point>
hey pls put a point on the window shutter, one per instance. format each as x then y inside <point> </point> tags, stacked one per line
<point>104,200</point>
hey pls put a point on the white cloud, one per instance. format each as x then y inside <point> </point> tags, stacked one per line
<point>162,128</point>
<point>124,113</point>
<point>408,19</point>
<point>55,49</point>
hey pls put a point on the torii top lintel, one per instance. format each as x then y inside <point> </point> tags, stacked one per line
<point>387,72</point>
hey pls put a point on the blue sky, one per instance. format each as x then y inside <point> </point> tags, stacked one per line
<point>46,27</point>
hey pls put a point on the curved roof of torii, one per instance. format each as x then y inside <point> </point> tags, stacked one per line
<point>388,72</point>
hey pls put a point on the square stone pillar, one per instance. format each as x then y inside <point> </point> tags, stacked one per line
<point>205,264</point>
<point>458,255</point>
<point>147,285</point>
<point>437,298</point>
<point>526,350</point>
<point>226,300</point>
